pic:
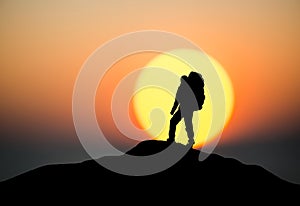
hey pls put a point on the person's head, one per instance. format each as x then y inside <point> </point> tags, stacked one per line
<point>184,77</point>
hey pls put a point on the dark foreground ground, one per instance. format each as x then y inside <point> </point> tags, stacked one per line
<point>188,179</point>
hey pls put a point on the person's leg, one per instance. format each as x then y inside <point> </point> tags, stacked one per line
<point>173,123</point>
<point>188,120</point>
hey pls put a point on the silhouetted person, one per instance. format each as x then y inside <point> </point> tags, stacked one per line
<point>189,98</point>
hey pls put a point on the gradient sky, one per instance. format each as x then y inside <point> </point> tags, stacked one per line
<point>45,43</point>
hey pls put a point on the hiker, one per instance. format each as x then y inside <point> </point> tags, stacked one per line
<point>189,98</point>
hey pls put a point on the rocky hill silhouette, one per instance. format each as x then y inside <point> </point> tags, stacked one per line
<point>188,176</point>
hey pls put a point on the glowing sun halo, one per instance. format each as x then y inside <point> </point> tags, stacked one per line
<point>153,103</point>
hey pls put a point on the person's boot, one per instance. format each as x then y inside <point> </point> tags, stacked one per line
<point>170,139</point>
<point>171,134</point>
<point>191,140</point>
<point>190,143</point>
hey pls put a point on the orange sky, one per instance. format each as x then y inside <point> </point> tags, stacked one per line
<point>106,90</point>
<point>44,44</point>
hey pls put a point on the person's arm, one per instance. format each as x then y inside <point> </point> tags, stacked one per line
<point>175,105</point>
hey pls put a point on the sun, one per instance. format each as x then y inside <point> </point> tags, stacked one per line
<point>156,88</point>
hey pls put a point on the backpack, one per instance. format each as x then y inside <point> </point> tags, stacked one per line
<point>196,82</point>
